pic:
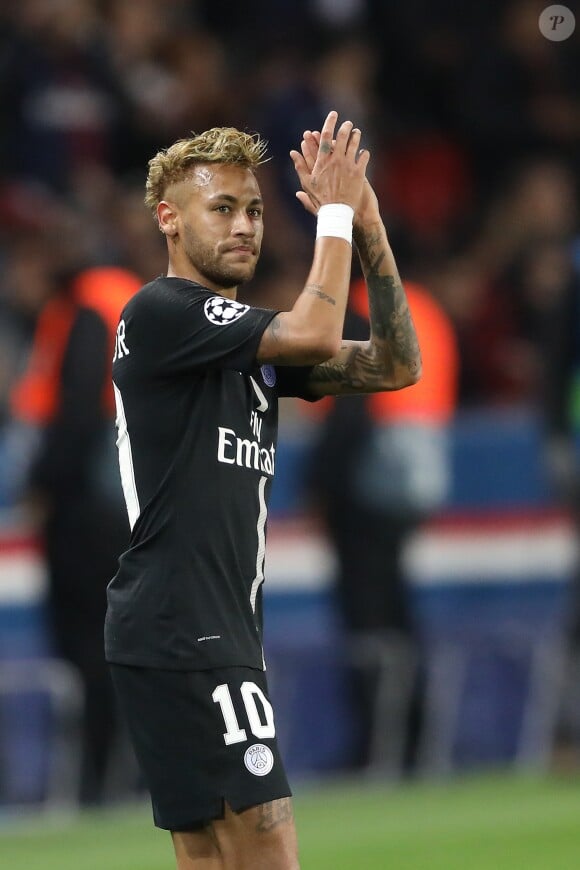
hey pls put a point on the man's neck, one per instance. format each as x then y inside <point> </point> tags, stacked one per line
<point>192,275</point>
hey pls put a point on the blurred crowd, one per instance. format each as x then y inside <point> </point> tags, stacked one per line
<point>472,117</point>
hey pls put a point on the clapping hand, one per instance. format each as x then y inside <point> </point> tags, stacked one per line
<point>368,208</point>
<point>331,168</point>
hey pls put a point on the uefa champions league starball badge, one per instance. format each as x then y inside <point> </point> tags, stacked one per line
<point>221,311</point>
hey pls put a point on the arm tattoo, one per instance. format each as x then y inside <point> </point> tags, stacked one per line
<point>316,290</point>
<point>336,370</point>
<point>391,323</point>
<point>275,328</point>
<point>391,358</point>
<point>272,814</point>
<point>356,369</point>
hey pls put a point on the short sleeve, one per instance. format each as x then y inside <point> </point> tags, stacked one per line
<point>183,327</point>
<point>292,381</point>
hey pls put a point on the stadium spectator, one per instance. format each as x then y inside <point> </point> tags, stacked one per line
<point>490,286</point>
<point>381,468</point>
<point>555,277</point>
<point>519,99</point>
<point>73,490</point>
<point>63,109</point>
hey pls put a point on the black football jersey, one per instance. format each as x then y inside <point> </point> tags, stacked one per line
<point>197,437</point>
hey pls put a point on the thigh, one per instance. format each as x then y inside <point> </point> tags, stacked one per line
<point>203,740</point>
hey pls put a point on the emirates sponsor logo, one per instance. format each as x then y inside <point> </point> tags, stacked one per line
<point>233,450</point>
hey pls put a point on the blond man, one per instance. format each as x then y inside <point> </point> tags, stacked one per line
<point>197,377</point>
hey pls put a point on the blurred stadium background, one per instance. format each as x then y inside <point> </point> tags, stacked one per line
<point>473,120</point>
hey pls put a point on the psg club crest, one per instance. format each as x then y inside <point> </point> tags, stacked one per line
<point>259,759</point>
<point>221,311</point>
<point>269,375</point>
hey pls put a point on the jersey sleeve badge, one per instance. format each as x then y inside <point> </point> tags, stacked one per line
<point>221,311</point>
<point>268,374</point>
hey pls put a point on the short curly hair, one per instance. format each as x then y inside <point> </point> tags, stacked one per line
<point>218,145</point>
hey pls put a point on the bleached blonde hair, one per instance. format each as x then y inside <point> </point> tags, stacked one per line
<point>218,145</point>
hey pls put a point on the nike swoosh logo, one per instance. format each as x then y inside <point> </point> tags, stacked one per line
<point>263,402</point>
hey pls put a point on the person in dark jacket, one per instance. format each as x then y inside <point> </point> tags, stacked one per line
<point>73,484</point>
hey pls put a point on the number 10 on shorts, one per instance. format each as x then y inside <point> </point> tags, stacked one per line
<point>249,692</point>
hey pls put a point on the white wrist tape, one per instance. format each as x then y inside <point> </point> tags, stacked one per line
<point>335,219</point>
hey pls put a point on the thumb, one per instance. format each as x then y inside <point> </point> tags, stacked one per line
<point>306,202</point>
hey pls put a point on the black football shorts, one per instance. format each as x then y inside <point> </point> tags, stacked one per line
<point>201,738</point>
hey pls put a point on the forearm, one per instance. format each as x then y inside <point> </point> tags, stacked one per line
<point>332,183</point>
<point>312,331</point>
<point>393,338</point>
<point>320,308</point>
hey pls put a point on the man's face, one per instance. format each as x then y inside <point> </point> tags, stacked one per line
<point>219,223</point>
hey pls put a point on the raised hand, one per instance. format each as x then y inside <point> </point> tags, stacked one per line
<point>368,208</point>
<point>336,172</point>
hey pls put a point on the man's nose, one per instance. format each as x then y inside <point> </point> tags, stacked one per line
<point>243,224</point>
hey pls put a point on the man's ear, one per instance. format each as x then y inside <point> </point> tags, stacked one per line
<point>167,218</point>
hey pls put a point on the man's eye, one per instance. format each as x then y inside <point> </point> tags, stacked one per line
<point>224,209</point>
<point>255,212</point>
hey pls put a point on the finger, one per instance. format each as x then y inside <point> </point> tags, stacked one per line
<point>363,158</point>
<point>310,161</point>
<point>309,148</point>
<point>316,136</point>
<point>327,134</point>
<point>311,141</point>
<point>297,159</point>
<point>342,137</point>
<point>305,200</point>
<point>353,143</point>
<point>300,166</point>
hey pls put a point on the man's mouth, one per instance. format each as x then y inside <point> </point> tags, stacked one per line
<point>242,249</point>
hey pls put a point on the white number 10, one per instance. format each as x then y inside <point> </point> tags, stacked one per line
<point>249,692</point>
